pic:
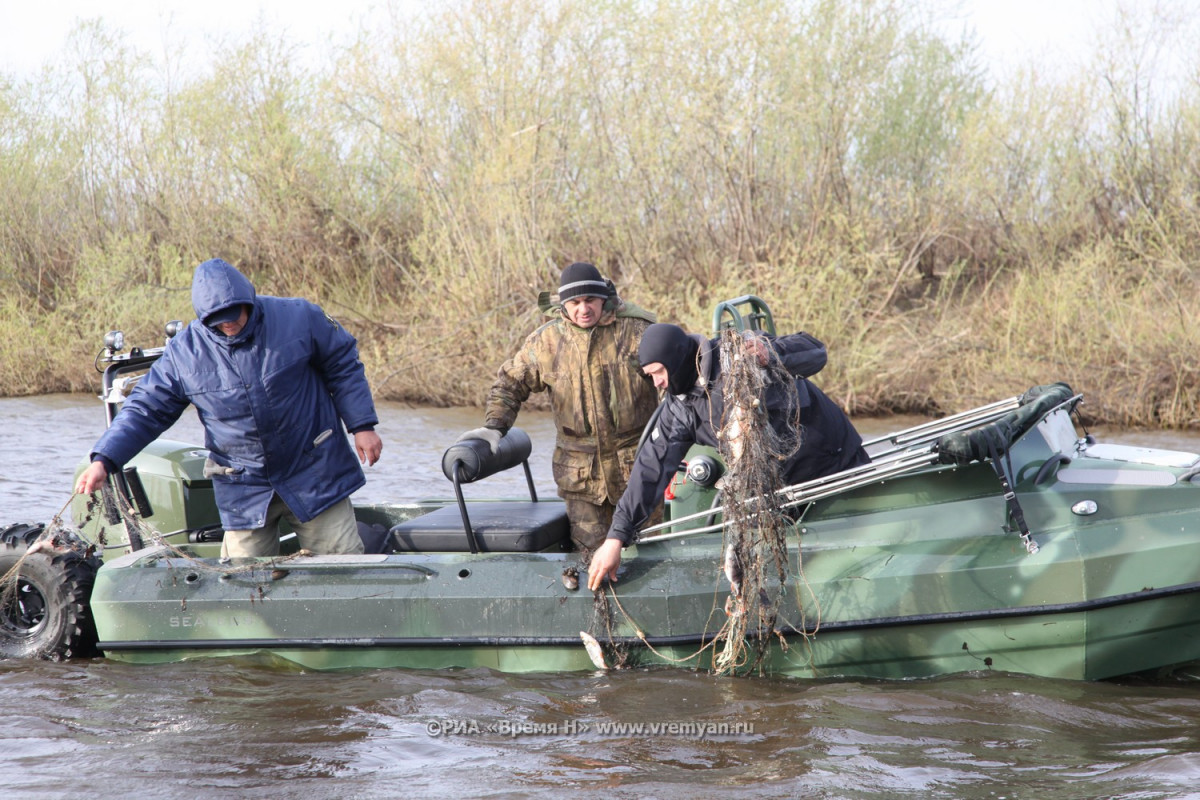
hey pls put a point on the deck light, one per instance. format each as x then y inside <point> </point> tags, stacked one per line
<point>114,341</point>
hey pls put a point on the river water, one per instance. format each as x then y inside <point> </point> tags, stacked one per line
<point>249,728</point>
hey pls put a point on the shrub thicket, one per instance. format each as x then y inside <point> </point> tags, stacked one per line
<point>952,236</point>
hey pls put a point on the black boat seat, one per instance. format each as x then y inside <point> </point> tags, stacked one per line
<point>486,527</point>
<point>499,527</point>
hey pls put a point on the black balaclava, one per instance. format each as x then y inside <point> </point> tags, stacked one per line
<point>671,346</point>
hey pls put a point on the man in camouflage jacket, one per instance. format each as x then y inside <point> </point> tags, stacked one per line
<point>586,357</point>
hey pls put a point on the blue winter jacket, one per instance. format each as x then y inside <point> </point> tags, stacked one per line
<point>272,400</point>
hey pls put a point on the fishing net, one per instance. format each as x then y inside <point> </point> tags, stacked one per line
<point>57,538</point>
<point>113,510</point>
<point>755,448</point>
<point>142,534</point>
<point>613,654</point>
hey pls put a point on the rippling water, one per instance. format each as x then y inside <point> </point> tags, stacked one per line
<point>250,728</point>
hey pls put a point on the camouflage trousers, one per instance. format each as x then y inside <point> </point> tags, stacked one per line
<point>590,523</point>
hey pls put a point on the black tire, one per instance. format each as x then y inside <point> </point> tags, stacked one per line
<point>46,615</point>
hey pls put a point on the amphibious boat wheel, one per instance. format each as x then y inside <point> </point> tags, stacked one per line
<point>45,613</point>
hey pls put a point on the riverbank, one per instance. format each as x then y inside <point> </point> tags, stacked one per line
<point>946,351</point>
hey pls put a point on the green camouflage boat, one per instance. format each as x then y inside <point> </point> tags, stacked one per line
<point>996,539</point>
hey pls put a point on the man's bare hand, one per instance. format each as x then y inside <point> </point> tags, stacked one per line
<point>91,478</point>
<point>369,446</point>
<point>757,346</point>
<point>604,564</point>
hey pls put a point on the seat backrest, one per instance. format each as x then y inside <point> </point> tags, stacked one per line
<point>474,458</point>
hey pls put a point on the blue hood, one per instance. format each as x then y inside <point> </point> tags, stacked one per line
<point>216,285</point>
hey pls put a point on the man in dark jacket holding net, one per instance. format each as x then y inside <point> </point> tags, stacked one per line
<point>688,368</point>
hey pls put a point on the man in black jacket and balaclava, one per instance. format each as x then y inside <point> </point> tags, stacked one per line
<point>688,368</point>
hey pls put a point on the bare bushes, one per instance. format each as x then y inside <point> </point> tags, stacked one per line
<point>951,237</point>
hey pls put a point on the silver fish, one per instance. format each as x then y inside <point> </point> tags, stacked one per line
<point>733,569</point>
<point>594,651</point>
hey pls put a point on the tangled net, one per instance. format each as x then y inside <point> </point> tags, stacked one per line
<point>59,536</point>
<point>117,509</point>
<point>755,448</point>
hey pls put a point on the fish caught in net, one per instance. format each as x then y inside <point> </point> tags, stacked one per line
<point>755,448</point>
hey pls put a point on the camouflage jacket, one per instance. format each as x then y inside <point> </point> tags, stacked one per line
<point>600,397</point>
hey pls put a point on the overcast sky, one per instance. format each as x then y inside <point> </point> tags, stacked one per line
<point>33,32</point>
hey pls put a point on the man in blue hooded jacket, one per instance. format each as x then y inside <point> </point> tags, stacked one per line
<point>273,379</point>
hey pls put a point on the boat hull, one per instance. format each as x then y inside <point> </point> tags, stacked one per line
<point>1043,645</point>
<point>913,606</point>
<point>919,575</point>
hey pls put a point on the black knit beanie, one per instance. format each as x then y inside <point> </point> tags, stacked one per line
<point>582,280</point>
<point>671,346</point>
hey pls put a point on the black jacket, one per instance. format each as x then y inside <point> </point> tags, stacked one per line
<point>829,442</point>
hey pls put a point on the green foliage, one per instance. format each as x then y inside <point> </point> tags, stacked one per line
<point>951,237</point>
